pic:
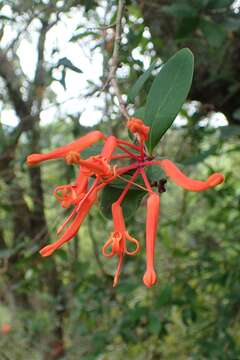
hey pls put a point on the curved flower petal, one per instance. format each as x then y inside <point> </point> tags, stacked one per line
<point>180,179</point>
<point>133,241</point>
<point>73,228</point>
<point>116,244</point>
<point>95,165</point>
<point>153,207</point>
<point>109,147</point>
<point>60,152</point>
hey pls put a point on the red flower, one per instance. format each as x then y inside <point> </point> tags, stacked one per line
<point>180,179</point>
<point>136,126</point>
<point>69,195</point>
<point>153,207</point>
<point>5,328</point>
<point>75,225</point>
<point>81,195</point>
<point>118,240</point>
<point>78,145</point>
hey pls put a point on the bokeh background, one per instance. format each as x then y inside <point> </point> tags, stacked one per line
<point>54,60</point>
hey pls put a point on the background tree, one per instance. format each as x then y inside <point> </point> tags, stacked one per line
<point>64,307</point>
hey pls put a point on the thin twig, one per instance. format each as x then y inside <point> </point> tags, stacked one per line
<point>114,61</point>
<point>102,28</point>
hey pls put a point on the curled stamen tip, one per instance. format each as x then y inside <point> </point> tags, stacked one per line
<point>215,179</point>
<point>150,278</point>
<point>47,250</point>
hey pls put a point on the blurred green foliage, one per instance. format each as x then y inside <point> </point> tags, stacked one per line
<point>193,312</point>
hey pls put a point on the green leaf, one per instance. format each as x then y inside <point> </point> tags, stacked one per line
<point>236,114</point>
<point>231,24</point>
<point>82,35</point>
<point>130,203</point>
<point>121,184</point>
<point>8,18</point>
<point>229,131</point>
<point>63,79</point>
<point>155,173</point>
<point>138,85</point>
<point>154,323</point>
<point>214,33</point>
<point>167,94</point>
<point>187,27</point>
<point>140,112</point>
<point>180,10</point>
<point>219,4</point>
<point>164,296</point>
<point>68,64</point>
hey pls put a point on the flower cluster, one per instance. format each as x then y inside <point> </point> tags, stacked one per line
<point>96,172</point>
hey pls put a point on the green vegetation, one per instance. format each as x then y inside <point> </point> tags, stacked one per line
<point>64,307</point>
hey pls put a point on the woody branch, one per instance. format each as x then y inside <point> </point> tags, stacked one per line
<point>114,62</point>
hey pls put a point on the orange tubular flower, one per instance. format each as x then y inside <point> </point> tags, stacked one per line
<point>136,126</point>
<point>99,164</point>
<point>73,229</point>
<point>78,145</point>
<point>109,147</point>
<point>81,195</point>
<point>96,165</point>
<point>118,239</point>
<point>72,194</point>
<point>153,207</point>
<point>179,178</point>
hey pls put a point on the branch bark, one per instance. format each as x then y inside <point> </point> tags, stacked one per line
<point>114,61</point>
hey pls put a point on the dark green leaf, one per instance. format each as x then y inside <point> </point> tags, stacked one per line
<point>121,184</point>
<point>164,296</point>
<point>236,114</point>
<point>130,203</point>
<point>89,4</point>
<point>186,27</point>
<point>63,79</point>
<point>138,85</point>
<point>154,173</point>
<point>232,24</point>
<point>167,94</point>
<point>140,112</point>
<point>8,18</point>
<point>228,131</point>
<point>154,324</point>
<point>218,4</point>
<point>214,33</point>
<point>68,64</point>
<point>82,35</point>
<point>180,10</point>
